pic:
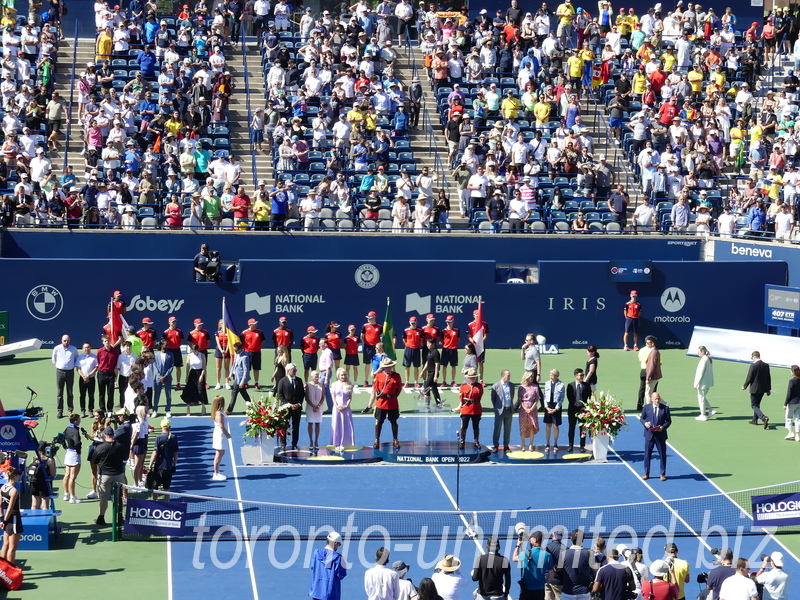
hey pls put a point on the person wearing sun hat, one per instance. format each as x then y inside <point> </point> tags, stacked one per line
<point>470,394</point>
<point>663,583</point>
<point>387,387</point>
<point>448,578</point>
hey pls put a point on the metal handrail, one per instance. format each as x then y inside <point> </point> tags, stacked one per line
<point>249,114</point>
<point>71,94</point>
<point>618,149</point>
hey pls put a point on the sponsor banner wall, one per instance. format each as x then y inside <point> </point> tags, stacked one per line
<point>776,510</point>
<point>741,251</point>
<point>573,304</point>
<point>512,249</point>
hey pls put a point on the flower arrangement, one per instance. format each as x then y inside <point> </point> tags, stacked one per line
<point>266,416</point>
<point>603,414</point>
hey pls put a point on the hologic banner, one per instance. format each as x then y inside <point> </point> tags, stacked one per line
<point>155,517</point>
<point>777,510</point>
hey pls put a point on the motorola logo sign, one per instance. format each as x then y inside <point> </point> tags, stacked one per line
<point>673,299</point>
<point>7,432</point>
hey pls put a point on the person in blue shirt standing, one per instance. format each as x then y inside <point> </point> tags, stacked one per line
<point>147,62</point>
<point>537,567</point>
<point>400,122</point>
<point>327,570</point>
<point>757,218</point>
<point>279,205</point>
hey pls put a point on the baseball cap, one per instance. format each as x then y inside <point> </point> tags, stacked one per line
<point>198,321</point>
<point>429,317</point>
<point>108,431</point>
<point>333,536</point>
<point>146,320</point>
<point>252,322</point>
<point>283,319</point>
<point>412,320</point>
<point>777,558</point>
<point>166,423</point>
<point>311,329</point>
<point>450,318</point>
<point>172,319</point>
<point>474,313</point>
<point>351,326</point>
<point>372,313</point>
<point>633,293</point>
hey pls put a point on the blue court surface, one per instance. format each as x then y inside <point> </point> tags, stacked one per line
<point>278,568</point>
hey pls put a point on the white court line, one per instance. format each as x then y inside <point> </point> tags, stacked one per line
<point>169,568</point>
<point>766,532</point>
<point>455,506</point>
<point>664,502</point>
<point>247,547</point>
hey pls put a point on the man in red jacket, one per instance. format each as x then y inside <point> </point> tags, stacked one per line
<point>387,387</point>
<point>146,334</point>
<point>451,338</point>
<point>283,336</point>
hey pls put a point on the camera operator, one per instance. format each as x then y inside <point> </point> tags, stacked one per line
<point>40,473</point>
<point>110,458</point>
<point>718,575</point>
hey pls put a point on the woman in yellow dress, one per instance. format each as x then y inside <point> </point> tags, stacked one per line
<point>105,42</point>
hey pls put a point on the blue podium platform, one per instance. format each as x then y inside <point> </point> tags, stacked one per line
<point>40,529</point>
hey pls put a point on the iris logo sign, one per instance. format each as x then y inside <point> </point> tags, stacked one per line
<point>673,299</point>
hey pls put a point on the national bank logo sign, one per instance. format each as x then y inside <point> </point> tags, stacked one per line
<point>418,304</point>
<point>155,518</point>
<point>255,303</point>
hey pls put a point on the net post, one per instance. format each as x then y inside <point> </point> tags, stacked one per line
<point>114,509</point>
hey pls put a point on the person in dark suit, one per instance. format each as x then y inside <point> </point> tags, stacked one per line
<point>503,405</point>
<point>240,374</point>
<point>290,390</point>
<point>656,420</point>
<point>760,382</point>
<point>578,393</point>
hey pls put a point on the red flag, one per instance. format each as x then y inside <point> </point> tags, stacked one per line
<point>477,337</point>
<point>115,322</point>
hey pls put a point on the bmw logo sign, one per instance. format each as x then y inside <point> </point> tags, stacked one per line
<point>44,302</point>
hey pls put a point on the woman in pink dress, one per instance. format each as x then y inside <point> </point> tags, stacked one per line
<point>528,398</point>
<point>174,213</point>
<point>342,416</point>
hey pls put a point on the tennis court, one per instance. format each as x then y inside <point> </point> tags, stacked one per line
<point>274,553</point>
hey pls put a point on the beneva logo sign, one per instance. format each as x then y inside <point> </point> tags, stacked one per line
<point>753,251</point>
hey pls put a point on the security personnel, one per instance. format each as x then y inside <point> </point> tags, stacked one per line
<point>309,345</point>
<point>412,339</point>
<point>387,387</point>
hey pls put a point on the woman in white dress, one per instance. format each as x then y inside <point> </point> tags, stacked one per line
<point>220,436</point>
<point>315,397</point>
<point>703,380</point>
<point>139,443</point>
<point>342,416</point>
<point>422,216</point>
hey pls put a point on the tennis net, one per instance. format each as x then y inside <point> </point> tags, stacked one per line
<point>221,519</point>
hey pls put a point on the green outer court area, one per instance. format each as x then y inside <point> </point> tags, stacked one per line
<point>731,453</point>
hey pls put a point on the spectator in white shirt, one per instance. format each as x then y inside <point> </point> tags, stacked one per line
<point>784,223</point>
<point>381,582</point>
<point>450,583</point>
<point>726,223</point>
<point>644,217</point>
<point>776,580</point>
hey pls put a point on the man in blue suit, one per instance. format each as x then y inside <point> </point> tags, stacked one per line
<point>656,419</point>
<point>162,377</point>
<point>240,373</point>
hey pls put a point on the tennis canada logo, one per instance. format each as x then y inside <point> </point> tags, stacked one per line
<point>367,276</point>
<point>44,302</point>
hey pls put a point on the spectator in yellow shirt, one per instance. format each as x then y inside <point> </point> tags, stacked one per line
<point>669,59</point>
<point>622,23</point>
<point>696,80</point>
<point>586,53</point>
<point>565,13</point>
<point>639,82</point>
<point>542,112</point>
<point>510,106</point>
